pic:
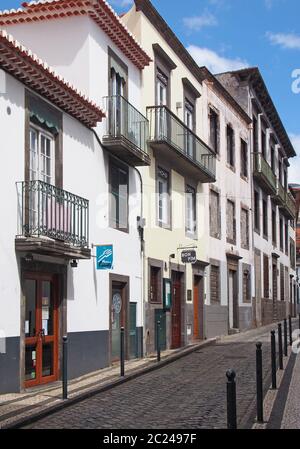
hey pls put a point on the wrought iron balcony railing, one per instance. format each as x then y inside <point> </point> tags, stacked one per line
<point>48,211</point>
<point>127,128</point>
<point>281,193</point>
<point>167,128</point>
<point>264,173</point>
<point>290,204</point>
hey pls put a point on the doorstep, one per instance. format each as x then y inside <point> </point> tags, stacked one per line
<point>18,409</point>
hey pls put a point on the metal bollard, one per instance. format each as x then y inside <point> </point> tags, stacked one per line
<point>273,360</point>
<point>65,367</point>
<point>280,346</point>
<point>285,338</point>
<point>231,400</point>
<point>158,340</point>
<point>122,352</point>
<point>290,330</point>
<point>259,384</point>
<point>299,320</point>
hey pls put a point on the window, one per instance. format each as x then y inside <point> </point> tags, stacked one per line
<point>214,124</point>
<point>246,283</point>
<point>155,295</point>
<point>214,214</point>
<point>256,211</point>
<point>42,156</point>
<point>285,178</point>
<point>263,140</point>
<point>265,217</point>
<point>119,183</point>
<point>231,222</point>
<point>163,198</point>
<point>266,276</point>
<point>280,168</point>
<point>274,227</point>
<point>244,159</point>
<point>255,135</point>
<point>190,211</point>
<point>230,146</point>
<point>214,284</point>
<point>273,156</point>
<point>286,236</point>
<point>245,228</point>
<point>292,254</point>
<point>282,282</point>
<point>281,233</point>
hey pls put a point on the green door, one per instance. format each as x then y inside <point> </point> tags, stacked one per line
<point>160,315</point>
<point>132,332</point>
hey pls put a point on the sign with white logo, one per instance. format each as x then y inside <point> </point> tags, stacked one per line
<point>189,256</point>
<point>104,257</point>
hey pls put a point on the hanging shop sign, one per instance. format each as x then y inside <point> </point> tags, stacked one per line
<point>189,256</point>
<point>104,257</point>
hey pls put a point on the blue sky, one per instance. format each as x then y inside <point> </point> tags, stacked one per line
<point>229,34</point>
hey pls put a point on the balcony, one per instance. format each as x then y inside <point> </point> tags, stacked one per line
<point>263,174</point>
<point>174,141</point>
<point>279,198</point>
<point>126,132</point>
<point>289,209</point>
<point>52,221</point>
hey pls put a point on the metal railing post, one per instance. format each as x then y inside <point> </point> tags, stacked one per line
<point>273,360</point>
<point>65,368</point>
<point>259,384</point>
<point>290,330</point>
<point>280,346</point>
<point>158,340</point>
<point>285,340</point>
<point>122,352</point>
<point>231,400</point>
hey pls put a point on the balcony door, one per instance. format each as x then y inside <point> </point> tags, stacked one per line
<point>42,155</point>
<point>161,100</point>
<point>117,89</point>
<point>189,122</point>
<point>41,329</point>
<point>41,168</point>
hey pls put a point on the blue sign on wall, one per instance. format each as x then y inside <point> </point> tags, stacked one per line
<point>104,257</point>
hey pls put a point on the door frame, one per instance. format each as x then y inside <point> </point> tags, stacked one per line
<point>47,268</point>
<point>179,269</point>
<point>40,277</point>
<point>233,265</point>
<point>200,310</point>
<point>125,280</point>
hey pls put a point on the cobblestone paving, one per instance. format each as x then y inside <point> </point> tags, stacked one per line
<point>189,393</point>
<point>291,417</point>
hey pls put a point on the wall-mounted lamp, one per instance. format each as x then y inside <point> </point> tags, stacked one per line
<point>74,263</point>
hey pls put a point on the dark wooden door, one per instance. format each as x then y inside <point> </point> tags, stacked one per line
<point>118,318</point>
<point>176,312</point>
<point>198,308</point>
<point>41,329</point>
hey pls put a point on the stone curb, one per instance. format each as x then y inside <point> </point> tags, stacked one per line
<point>102,388</point>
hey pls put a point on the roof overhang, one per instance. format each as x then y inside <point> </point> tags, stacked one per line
<point>254,77</point>
<point>99,10</point>
<point>38,76</point>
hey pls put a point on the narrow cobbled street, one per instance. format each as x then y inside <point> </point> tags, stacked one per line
<point>188,394</point>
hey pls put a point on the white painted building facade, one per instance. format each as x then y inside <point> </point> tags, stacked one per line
<point>96,164</point>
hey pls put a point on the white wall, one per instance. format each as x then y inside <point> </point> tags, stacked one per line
<point>11,171</point>
<point>230,186</point>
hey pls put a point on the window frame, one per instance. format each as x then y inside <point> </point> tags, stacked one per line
<point>116,164</point>
<point>167,225</point>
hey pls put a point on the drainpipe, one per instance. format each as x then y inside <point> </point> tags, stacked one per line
<point>141,238</point>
